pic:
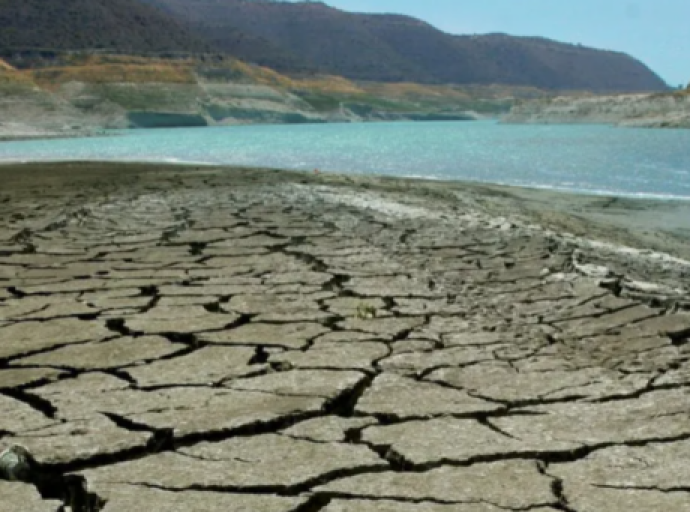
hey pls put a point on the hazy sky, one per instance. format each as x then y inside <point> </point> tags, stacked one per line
<point>655,31</point>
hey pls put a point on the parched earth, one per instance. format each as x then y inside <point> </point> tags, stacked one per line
<point>261,341</point>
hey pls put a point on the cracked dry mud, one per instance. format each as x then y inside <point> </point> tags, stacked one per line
<point>245,340</point>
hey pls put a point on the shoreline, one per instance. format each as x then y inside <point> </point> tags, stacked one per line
<point>655,111</point>
<point>647,224</point>
<point>100,131</point>
<point>546,189</point>
<point>56,136</point>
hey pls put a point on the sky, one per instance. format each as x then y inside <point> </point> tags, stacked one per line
<point>657,32</point>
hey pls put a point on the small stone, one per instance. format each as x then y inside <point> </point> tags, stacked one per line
<point>15,464</point>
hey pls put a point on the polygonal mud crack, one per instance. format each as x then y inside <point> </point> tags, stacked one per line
<point>197,339</point>
<point>17,464</point>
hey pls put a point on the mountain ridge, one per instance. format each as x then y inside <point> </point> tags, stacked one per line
<point>394,47</point>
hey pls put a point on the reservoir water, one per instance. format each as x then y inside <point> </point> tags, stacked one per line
<point>583,158</point>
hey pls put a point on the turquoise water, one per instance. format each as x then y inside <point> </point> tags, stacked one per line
<point>585,158</point>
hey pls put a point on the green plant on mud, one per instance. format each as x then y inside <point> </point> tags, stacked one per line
<point>365,311</point>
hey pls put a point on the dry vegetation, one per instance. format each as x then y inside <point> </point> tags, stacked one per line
<point>114,69</point>
<point>9,75</point>
<point>325,93</point>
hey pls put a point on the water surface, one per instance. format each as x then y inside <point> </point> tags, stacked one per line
<point>584,158</point>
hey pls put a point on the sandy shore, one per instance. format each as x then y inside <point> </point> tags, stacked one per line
<point>217,339</point>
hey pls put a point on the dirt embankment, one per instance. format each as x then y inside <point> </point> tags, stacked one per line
<point>641,110</point>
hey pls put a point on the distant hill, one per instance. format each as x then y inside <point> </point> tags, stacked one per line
<point>386,47</point>
<point>123,25</point>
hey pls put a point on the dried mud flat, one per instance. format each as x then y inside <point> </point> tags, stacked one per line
<point>243,340</point>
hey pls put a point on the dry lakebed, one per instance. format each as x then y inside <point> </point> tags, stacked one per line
<point>179,338</point>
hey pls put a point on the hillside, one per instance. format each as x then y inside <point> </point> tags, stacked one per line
<point>555,65</point>
<point>81,94</point>
<point>313,38</point>
<point>75,67</point>
<point>395,48</point>
<point>124,25</point>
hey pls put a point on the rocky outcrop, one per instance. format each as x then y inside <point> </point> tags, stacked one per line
<point>67,94</point>
<point>165,120</point>
<point>641,110</point>
<point>81,108</point>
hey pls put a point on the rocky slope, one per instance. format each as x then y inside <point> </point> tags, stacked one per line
<point>642,110</point>
<point>77,95</point>
<point>387,47</point>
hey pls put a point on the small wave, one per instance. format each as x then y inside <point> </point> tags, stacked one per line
<point>9,161</point>
<point>182,161</point>
<point>601,192</point>
<point>159,160</point>
<point>138,159</point>
<point>430,177</point>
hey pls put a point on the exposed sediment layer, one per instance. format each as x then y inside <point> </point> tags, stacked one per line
<point>634,110</point>
<point>210,339</point>
<point>77,109</point>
